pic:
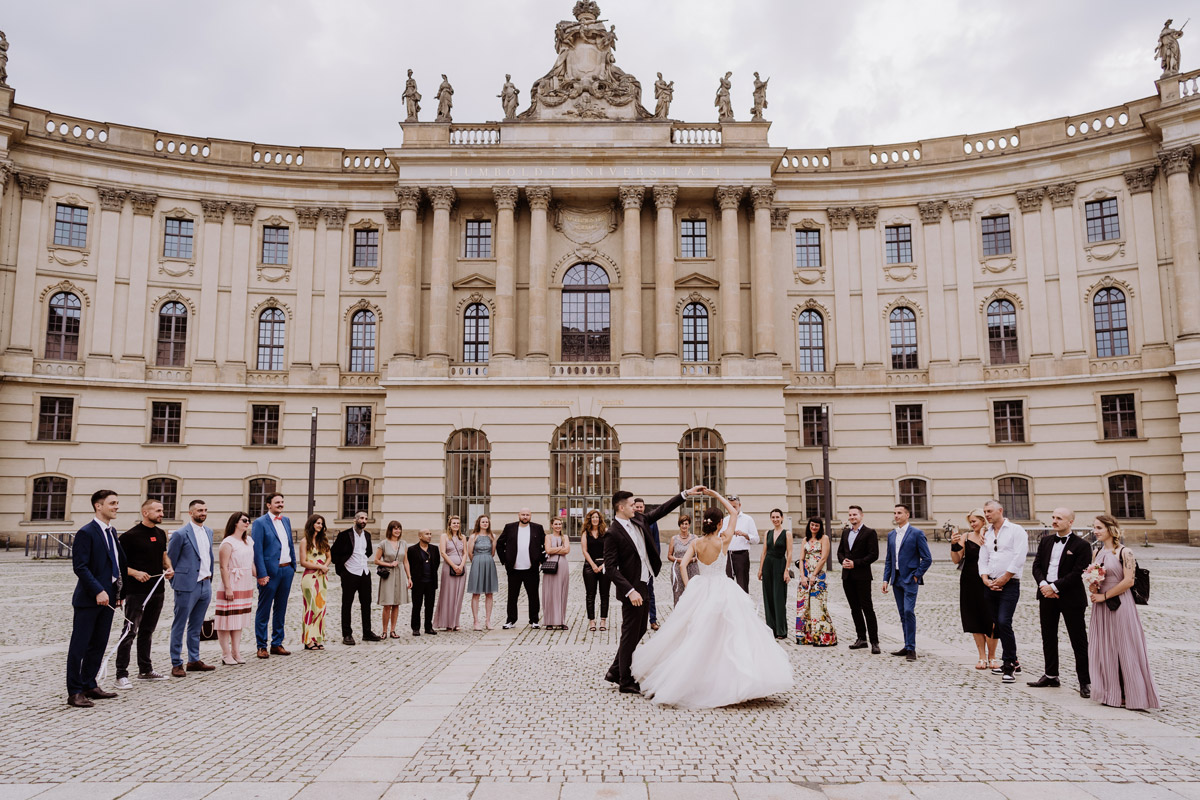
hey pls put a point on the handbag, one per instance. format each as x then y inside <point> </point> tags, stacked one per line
<point>1141,584</point>
<point>550,567</point>
<point>1113,603</point>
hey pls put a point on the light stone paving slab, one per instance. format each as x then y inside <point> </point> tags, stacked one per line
<point>247,790</point>
<point>373,745</point>
<point>516,791</point>
<point>86,791</point>
<point>175,791</point>
<point>1127,791</point>
<point>954,791</point>
<point>1027,790</point>
<point>1188,790</point>
<point>604,791</point>
<point>692,791</point>
<point>22,791</point>
<point>334,791</point>
<point>869,791</point>
<point>353,769</point>
<point>775,791</point>
<point>429,791</point>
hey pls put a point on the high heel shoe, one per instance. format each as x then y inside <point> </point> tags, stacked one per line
<point>228,662</point>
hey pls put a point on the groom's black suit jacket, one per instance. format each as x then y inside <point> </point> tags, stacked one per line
<point>1075,558</point>
<point>864,553</point>
<point>621,563</point>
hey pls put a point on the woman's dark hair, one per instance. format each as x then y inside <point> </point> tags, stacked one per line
<point>808,534</point>
<point>712,521</point>
<point>684,518</point>
<point>231,525</point>
<point>312,539</point>
<point>778,511</point>
<point>394,525</point>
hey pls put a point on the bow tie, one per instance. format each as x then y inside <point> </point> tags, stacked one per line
<point>278,519</point>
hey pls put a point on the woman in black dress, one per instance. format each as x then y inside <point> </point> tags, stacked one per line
<point>594,578</point>
<point>972,596</point>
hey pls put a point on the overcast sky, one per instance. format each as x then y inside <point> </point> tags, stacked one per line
<point>302,72</point>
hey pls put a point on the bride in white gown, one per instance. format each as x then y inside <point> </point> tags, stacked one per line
<point>713,650</point>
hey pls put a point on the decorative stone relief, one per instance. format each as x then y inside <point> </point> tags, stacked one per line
<point>866,216</point>
<point>960,208</point>
<point>696,297</point>
<point>308,216</point>
<point>1061,194</point>
<point>362,305</point>
<point>1109,248</point>
<point>177,267</point>
<point>273,273</point>
<point>1001,294</point>
<point>69,255</point>
<point>214,210</point>
<point>335,218</point>
<point>65,286</point>
<point>442,198</point>
<point>538,196</point>
<point>587,253</point>
<point>1107,282</point>
<point>632,196</point>
<point>810,275</point>
<point>839,218</point>
<point>779,218</point>
<point>270,302</point>
<point>111,198</point>
<point>665,196</point>
<point>506,196</point>
<point>33,187</point>
<point>1030,200</point>
<point>811,304</point>
<point>363,275</point>
<point>409,197</point>
<point>1177,160</point>
<point>931,211</point>
<point>172,297</point>
<point>474,297</point>
<point>585,226</point>
<point>143,203</point>
<point>392,217</point>
<point>762,196</point>
<point>729,196</point>
<point>243,213</point>
<point>1141,179</point>
<point>905,302</point>
<point>7,169</point>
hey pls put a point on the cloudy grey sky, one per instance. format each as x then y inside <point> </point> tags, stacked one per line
<point>303,72</point>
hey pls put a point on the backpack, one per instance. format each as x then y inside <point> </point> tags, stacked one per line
<point>1141,584</point>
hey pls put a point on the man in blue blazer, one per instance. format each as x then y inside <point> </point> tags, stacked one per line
<point>275,560</point>
<point>190,550</point>
<point>908,559</point>
<point>99,563</point>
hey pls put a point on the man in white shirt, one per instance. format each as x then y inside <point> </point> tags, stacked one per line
<point>522,549</point>
<point>349,553</point>
<point>745,533</point>
<point>190,550</point>
<point>1001,561</point>
<point>274,563</point>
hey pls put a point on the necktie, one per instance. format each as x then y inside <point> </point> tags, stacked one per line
<point>110,541</point>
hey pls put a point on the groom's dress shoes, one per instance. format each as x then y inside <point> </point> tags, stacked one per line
<point>1085,691</point>
<point>1043,682</point>
<point>874,649</point>
<point>901,652</point>
<point>859,644</point>
<point>612,677</point>
<point>631,688</point>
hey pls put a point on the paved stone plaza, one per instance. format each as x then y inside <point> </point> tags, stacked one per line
<point>525,713</point>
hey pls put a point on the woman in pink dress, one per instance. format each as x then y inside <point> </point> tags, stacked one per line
<point>453,578</point>
<point>233,603</point>
<point>1117,658</point>
<point>555,585</point>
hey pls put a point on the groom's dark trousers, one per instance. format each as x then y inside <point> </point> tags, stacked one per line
<point>633,628</point>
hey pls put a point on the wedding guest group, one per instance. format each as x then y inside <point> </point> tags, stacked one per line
<point>1001,561</point>
<point>857,551</point>
<point>274,555</point>
<point>974,608</point>
<point>1058,569</point>
<point>907,561</point>
<point>190,551</point>
<point>351,553</point>
<point>522,549</point>
<point>315,558</point>
<point>147,569</point>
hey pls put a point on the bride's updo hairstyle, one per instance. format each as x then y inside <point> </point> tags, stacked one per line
<point>712,521</point>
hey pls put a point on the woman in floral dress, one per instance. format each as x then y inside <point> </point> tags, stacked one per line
<point>813,625</point>
<point>314,582</point>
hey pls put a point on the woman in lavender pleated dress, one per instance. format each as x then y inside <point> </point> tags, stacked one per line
<point>556,584</point>
<point>1117,657</point>
<point>454,577</point>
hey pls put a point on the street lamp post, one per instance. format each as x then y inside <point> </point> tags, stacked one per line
<point>826,488</point>
<point>312,464</point>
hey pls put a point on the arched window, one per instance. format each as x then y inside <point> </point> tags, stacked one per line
<point>585,470</point>
<point>1126,497</point>
<point>902,324</point>
<point>49,499</point>
<point>476,335</point>
<point>62,327</point>
<point>1002,334</point>
<point>172,336</point>
<point>165,491</point>
<point>362,342</point>
<point>356,497</point>
<point>811,332</point>
<point>1112,323</point>
<point>914,492</point>
<point>270,339</point>
<point>695,332</point>
<point>468,475</point>
<point>586,323</point>
<point>814,498</point>
<point>1013,494</point>
<point>258,492</point>
<point>701,463</point>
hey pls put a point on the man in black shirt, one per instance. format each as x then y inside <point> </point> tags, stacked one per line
<point>145,546</point>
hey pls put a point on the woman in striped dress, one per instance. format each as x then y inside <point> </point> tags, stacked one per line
<point>232,608</point>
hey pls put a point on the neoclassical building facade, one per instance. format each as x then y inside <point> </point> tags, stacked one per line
<point>534,311</point>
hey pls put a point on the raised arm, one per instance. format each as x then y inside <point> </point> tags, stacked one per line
<point>687,559</point>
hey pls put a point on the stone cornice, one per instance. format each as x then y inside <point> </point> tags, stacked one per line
<point>632,197</point>
<point>1061,194</point>
<point>214,210</point>
<point>112,198</point>
<point>931,211</point>
<point>665,196</point>
<point>960,207</point>
<point>839,217</point>
<point>762,197</point>
<point>143,203</point>
<point>506,197</point>
<point>441,197</point>
<point>729,197</point>
<point>1141,179</point>
<point>1176,160</point>
<point>1030,200</point>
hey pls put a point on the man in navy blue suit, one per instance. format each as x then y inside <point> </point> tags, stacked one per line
<point>275,561</point>
<point>99,563</point>
<point>908,558</point>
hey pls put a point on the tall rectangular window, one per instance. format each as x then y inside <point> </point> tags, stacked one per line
<point>165,491</point>
<point>166,421</point>
<point>1102,222</point>
<point>808,249</point>
<point>1126,496</point>
<point>49,499</point>
<point>479,238</point>
<point>812,426</point>
<point>275,245</point>
<point>910,425</point>
<point>70,226</point>
<point>54,419</point>
<point>356,497</point>
<point>997,238</point>
<point>366,248</point>
<point>814,498</point>
<point>693,238</point>
<point>1008,418</point>
<point>264,425</point>
<point>177,241</point>
<point>358,426</point>
<point>1118,416</point>
<point>897,244</point>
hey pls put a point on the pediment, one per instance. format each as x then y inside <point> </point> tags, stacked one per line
<point>475,281</point>
<point>697,281</point>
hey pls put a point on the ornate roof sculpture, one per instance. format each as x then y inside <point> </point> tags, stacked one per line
<point>585,81</point>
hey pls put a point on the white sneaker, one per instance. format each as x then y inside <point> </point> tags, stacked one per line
<point>534,625</point>
<point>509,625</point>
<point>123,683</point>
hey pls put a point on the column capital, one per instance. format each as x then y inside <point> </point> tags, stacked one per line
<point>392,215</point>
<point>632,196</point>
<point>33,187</point>
<point>839,217</point>
<point>931,211</point>
<point>1178,159</point>
<point>243,213</point>
<point>538,196</point>
<point>729,197</point>
<point>1061,194</point>
<point>112,198</point>
<point>779,217</point>
<point>762,197</point>
<point>214,210</point>
<point>1141,179</point>
<point>408,196</point>
<point>1030,200</point>
<point>665,196</point>
<point>441,197</point>
<point>143,203</point>
<point>866,216</point>
<point>308,216</point>
<point>506,197</point>
<point>960,208</point>
<point>7,170</point>
<point>334,217</point>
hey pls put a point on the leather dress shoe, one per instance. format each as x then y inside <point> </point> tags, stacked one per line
<point>903,651</point>
<point>431,631</point>
<point>199,666</point>
<point>416,632</point>
<point>99,694</point>
<point>874,649</point>
<point>372,637</point>
<point>348,640</point>
<point>1043,682</point>
<point>280,650</point>
<point>612,677</point>
<point>79,701</point>
<point>859,644</point>
<point>631,688</point>
<point>262,653</point>
<point>911,655</point>
<point>1085,691</point>
<point>178,672</point>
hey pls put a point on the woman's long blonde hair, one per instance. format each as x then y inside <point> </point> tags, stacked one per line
<point>1110,523</point>
<point>449,531</point>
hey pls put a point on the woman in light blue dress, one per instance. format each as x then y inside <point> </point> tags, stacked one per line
<point>483,580</point>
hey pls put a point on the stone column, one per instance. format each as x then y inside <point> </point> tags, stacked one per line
<point>631,256</point>
<point>664,272</point>
<point>1030,202</point>
<point>409,285</point>
<point>969,320</point>
<point>931,220</point>
<point>1177,166</point>
<point>243,218</point>
<point>539,292</point>
<point>208,260</point>
<point>1140,182</point>
<point>139,272</point>
<point>728,199</point>
<point>838,270</point>
<point>505,324</point>
<point>33,193</point>
<point>304,267</point>
<point>763,277</point>
<point>868,254</point>
<point>1062,200</point>
<point>442,199</point>
<point>112,200</point>
<point>325,347</point>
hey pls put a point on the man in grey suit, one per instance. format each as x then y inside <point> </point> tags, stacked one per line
<point>190,550</point>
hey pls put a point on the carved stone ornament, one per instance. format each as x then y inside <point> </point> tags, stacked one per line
<point>839,217</point>
<point>65,286</point>
<point>270,302</point>
<point>585,81</point>
<point>762,196</point>
<point>900,272</point>
<point>111,198</point>
<point>729,196</point>
<point>441,197</point>
<point>362,305</point>
<point>1167,49</point>
<point>1141,179</point>
<point>445,98</point>
<point>308,216</point>
<point>723,102</point>
<point>1176,160</point>
<point>665,196</point>
<point>779,218</point>
<point>334,217</point>
<point>1107,282</point>
<point>904,302</point>
<point>243,213</point>
<point>538,196</point>
<point>143,203</point>
<point>585,226</point>
<point>172,297</point>
<point>7,170</point>
<point>509,97</point>
<point>760,98</point>
<point>506,197</point>
<point>214,210</point>
<point>412,98</point>
<point>695,297</point>
<point>1001,294</point>
<point>1061,194</point>
<point>472,298</point>
<point>931,211</point>
<point>866,215</point>
<point>176,267</point>
<point>392,216</point>
<point>33,187</point>
<point>409,197</point>
<point>632,196</point>
<point>960,207</point>
<point>1030,200</point>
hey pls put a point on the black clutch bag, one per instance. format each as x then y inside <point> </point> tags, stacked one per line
<point>1113,603</point>
<point>550,567</point>
<point>382,571</point>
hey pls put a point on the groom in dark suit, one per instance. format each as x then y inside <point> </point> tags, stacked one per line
<point>858,550</point>
<point>1061,559</point>
<point>631,562</point>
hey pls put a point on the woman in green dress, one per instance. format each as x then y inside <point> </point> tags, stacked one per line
<point>774,574</point>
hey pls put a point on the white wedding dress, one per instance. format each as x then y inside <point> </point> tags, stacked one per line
<point>713,650</point>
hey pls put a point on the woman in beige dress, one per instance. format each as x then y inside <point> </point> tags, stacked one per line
<point>394,586</point>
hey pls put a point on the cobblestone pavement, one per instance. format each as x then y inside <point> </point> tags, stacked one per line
<point>526,713</point>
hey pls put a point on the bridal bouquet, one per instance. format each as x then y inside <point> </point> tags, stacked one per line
<point>1092,576</point>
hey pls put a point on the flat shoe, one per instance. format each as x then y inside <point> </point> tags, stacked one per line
<point>393,635</point>
<point>981,664</point>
